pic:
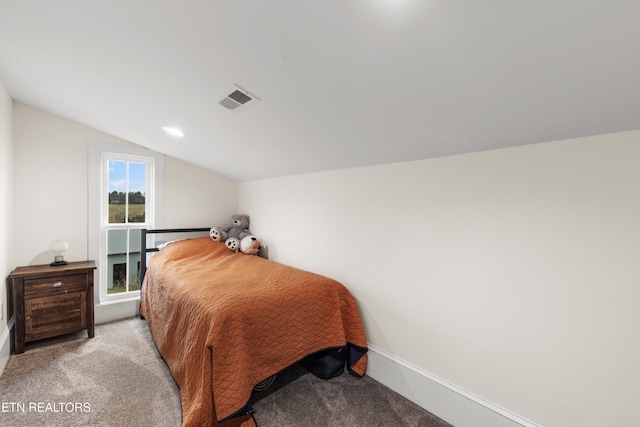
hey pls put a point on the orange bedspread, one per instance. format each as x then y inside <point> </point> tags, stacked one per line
<point>225,321</point>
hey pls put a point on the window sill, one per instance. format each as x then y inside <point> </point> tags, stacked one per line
<point>118,301</point>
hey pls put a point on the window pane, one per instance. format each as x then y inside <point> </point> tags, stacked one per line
<point>117,179</point>
<point>116,261</point>
<point>119,257</point>
<point>137,191</point>
<point>134,259</point>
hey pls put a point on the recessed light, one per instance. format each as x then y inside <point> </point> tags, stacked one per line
<point>173,131</point>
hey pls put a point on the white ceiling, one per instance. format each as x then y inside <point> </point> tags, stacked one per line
<point>342,83</point>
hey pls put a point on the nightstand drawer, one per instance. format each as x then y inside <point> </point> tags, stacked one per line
<point>50,316</point>
<point>48,285</point>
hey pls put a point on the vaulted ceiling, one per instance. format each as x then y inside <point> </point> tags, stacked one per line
<point>338,83</point>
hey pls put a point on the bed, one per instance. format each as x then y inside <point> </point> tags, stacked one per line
<point>225,322</point>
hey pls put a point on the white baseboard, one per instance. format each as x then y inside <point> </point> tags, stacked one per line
<point>5,348</point>
<point>456,406</point>
<point>116,310</point>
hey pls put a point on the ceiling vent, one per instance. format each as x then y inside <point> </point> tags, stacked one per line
<point>238,99</point>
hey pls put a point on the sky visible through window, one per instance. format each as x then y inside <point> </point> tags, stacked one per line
<point>118,176</point>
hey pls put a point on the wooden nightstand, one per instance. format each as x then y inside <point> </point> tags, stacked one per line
<point>50,301</point>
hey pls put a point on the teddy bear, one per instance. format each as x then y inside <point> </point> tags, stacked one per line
<point>232,234</point>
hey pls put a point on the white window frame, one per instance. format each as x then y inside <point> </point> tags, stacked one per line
<point>99,155</point>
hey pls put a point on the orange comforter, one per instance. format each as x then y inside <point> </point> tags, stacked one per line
<point>225,321</point>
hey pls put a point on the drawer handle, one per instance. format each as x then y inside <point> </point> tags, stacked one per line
<point>56,284</point>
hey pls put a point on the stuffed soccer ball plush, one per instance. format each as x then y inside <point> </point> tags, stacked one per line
<point>250,245</point>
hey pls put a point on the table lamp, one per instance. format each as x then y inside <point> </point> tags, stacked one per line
<point>58,247</point>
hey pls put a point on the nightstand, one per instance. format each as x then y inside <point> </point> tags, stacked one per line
<point>50,301</point>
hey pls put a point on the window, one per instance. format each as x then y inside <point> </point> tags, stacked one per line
<point>124,193</point>
<point>126,204</point>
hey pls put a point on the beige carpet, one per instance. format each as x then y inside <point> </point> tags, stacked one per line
<point>119,379</point>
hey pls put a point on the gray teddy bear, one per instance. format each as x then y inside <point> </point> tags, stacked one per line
<point>232,234</point>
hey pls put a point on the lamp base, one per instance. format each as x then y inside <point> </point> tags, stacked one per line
<point>56,263</point>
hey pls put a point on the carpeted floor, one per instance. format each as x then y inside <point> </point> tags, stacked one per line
<point>118,378</point>
<point>298,398</point>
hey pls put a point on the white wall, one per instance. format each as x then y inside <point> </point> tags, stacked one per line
<point>50,190</point>
<point>195,197</point>
<point>6,161</point>
<point>50,184</point>
<point>512,274</point>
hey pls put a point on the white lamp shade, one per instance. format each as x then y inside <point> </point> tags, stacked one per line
<point>59,247</point>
